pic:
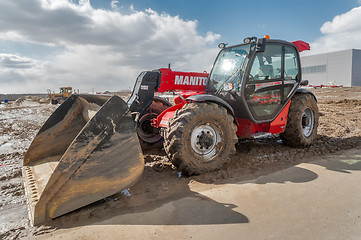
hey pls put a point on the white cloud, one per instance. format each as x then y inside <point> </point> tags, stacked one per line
<point>343,32</point>
<point>14,61</point>
<point>105,49</point>
<point>21,74</point>
<point>114,4</point>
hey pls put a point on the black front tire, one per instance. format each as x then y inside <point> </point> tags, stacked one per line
<point>200,138</point>
<point>302,121</point>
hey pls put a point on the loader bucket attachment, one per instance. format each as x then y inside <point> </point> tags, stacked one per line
<point>77,159</point>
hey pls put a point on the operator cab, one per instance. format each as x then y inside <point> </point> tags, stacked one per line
<point>256,78</point>
<point>66,89</point>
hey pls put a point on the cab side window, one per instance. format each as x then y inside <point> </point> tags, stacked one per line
<point>291,64</point>
<point>267,64</point>
<point>291,71</point>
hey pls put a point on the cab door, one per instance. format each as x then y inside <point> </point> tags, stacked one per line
<point>271,80</point>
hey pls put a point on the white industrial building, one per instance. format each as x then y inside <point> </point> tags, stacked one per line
<point>339,68</point>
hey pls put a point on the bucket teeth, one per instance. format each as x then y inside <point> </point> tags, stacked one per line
<point>31,191</point>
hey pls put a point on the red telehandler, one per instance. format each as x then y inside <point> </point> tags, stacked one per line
<point>89,148</point>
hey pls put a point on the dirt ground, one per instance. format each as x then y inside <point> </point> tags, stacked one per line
<point>339,129</point>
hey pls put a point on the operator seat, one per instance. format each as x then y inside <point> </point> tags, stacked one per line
<point>265,72</point>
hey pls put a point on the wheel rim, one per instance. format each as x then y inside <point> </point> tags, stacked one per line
<point>308,122</point>
<point>204,140</point>
<point>146,131</point>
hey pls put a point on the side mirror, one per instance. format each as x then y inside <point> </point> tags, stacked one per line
<point>304,83</point>
<point>261,45</point>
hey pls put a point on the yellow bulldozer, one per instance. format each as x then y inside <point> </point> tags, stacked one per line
<point>60,97</point>
<point>90,147</point>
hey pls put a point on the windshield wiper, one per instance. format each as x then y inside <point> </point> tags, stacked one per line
<point>239,70</point>
<point>221,88</point>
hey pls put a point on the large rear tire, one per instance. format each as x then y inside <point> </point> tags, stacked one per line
<point>149,136</point>
<point>302,121</point>
<point>200,137</point>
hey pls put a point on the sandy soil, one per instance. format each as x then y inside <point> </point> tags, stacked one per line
<point>339,129</point>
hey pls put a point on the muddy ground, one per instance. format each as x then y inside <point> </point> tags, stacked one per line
<point>339,129</point>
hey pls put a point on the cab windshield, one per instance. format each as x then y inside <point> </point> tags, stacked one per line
<point>227,67</point>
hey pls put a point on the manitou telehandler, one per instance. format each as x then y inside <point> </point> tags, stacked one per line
<point>89,148</point>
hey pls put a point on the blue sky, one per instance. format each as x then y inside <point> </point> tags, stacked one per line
<point>104,44</point>
<point>233,20</point>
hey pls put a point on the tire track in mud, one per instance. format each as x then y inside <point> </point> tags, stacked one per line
<point>18,126</point>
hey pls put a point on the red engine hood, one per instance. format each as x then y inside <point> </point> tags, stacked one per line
<point>182,81</point>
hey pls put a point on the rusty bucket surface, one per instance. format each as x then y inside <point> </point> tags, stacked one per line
<point>87,150</point>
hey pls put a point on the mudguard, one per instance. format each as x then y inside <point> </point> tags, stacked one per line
<point>306,91</point>
<point>212,98</point>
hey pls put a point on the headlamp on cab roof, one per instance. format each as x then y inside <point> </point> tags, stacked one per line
<point>249,40</point>
<point>222,45</point>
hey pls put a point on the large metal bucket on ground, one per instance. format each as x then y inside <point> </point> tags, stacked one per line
<point>87,150</point>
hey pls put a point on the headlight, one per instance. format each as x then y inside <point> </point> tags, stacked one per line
<point>222,45</point>
<point>247,40</point>
<point>227,86</point>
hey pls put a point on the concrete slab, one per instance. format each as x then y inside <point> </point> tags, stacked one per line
<point>316,200</point>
